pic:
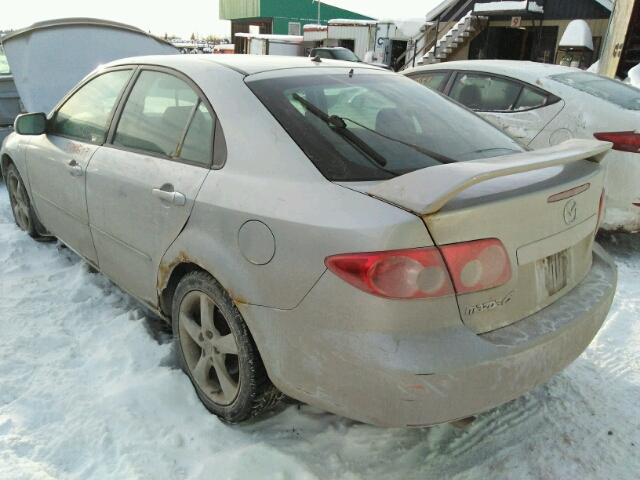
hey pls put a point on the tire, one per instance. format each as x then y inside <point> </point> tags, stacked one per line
<point>233,386</point>
<point>23,213</point>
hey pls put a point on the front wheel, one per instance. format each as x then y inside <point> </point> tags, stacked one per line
<point>23,213</point>
<point>217,352</point>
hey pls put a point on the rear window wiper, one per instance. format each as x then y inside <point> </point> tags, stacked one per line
<point>338,125</point>
<point>429,153</point>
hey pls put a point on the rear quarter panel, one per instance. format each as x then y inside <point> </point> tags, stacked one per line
<point>267,178</point>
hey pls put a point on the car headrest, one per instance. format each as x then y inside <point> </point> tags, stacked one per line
<point>392,122</point>
<point>470,96</point>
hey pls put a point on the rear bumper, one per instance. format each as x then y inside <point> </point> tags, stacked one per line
<point>424,376</point>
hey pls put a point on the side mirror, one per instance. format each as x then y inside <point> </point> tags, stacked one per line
<point>31,124</point>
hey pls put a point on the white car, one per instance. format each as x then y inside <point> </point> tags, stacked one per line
<point>542,105</point>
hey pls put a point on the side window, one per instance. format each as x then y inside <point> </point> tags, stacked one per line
<point>433,80</point>
<point>530,98</point>
<point>483,92</point>
<point>156,114</point>
<point>86,114</point>
<point>198,142</point>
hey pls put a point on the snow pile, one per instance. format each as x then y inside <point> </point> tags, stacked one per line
<point>577,35</point>
<point>89,390</point>
<point>508,6</point>
<point>634,76</point>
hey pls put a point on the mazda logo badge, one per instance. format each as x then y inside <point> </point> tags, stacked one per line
<point>570,212</point>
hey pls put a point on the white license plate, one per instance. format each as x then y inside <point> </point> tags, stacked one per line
<point>555,269</point>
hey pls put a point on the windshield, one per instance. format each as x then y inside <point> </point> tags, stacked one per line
<point>364,126</point>
<point>601,87</point>
<point>4,65</point>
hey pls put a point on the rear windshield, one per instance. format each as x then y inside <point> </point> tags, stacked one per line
<point>4,65</point>
<point>614,92</point>
<point>364,126</point>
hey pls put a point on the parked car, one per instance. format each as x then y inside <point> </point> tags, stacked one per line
<point>542,105</point>
<point>324,230</point>
<point>341,53</point>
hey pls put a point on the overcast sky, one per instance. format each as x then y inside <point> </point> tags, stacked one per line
<point>181,18</point>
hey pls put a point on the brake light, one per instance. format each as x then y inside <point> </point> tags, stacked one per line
<point>623,141</point>
<point>415,273</point>
<point>477,265</point>
<point>425,272</point>
<point>601,209</point>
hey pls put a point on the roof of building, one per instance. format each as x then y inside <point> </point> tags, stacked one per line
<point>446,4</point>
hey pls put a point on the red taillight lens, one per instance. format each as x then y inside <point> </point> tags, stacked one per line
<point>423,273</point>
<point>601,209</point>
<point>623,141</point>
<point>477,265</point>
<point>415,273</point>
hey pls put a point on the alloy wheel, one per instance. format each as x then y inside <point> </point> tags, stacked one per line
<point>210,347</point>
<point>19,201</point>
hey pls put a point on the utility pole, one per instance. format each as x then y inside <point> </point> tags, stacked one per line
<point>318,11</point>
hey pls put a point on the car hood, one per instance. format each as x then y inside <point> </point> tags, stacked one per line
<point>48,58</point>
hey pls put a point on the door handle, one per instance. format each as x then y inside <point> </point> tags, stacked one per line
<point>75,170</point>
<point>175,198</point>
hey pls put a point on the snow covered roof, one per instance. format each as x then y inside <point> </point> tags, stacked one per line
<point>444,5</point>
<point>265,36</point>
<point>351,22</point>
<point>577,35</point>
<point>509,6</point>
<point>608,4</point>
<point>312,27</point>
<point>439,9</point>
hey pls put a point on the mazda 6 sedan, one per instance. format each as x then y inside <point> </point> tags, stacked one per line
<point>325,230</point>
<point>542,105</point>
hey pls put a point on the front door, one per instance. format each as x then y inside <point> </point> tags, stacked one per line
<point>142,185</point>
<point>57,161</point>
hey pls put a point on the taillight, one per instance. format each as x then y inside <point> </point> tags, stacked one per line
<point>423,272</point>
<point>601,209</point>
<point>623,141</point>
<point>415,273</point>
<point>477,265</point>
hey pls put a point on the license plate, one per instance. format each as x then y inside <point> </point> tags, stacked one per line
<point>555,271</point>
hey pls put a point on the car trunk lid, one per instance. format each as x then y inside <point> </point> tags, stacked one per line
<point>542,205</point>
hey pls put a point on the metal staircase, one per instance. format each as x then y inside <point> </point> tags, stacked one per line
<point>457,36</point>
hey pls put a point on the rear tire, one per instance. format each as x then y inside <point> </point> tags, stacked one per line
<point>23,213</point>
<point>217,352</point>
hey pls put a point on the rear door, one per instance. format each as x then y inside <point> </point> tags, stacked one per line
<point>521,110</point>
<point>143,183</point>
<point>57,161</point>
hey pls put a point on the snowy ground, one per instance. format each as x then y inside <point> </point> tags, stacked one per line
<point>89,389</point>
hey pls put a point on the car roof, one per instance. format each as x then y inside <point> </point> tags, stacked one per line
<point>528,71</point>
<point>244,64</point>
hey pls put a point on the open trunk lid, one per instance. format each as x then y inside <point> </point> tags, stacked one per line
<point>542,205</point>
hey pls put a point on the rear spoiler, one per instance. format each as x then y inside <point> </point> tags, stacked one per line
<point>427,190</point>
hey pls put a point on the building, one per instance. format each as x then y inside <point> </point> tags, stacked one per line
<point>621,50</point>
<point>512,30</point>
<point>383,41</point>
<point>280,17</point>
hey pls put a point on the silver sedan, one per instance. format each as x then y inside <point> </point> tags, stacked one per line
<point>329,231</point>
